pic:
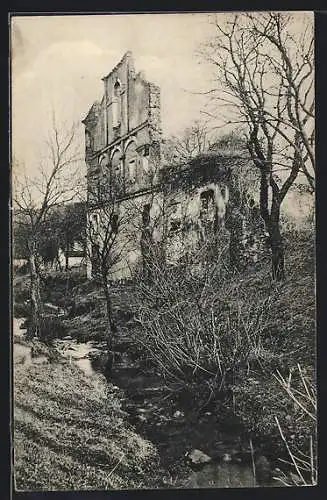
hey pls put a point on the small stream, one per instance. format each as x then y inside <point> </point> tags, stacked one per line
<point>156,417</point>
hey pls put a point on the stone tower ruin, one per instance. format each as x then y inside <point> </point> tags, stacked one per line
<point>182,207</point>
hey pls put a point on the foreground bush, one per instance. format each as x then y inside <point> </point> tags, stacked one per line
<point>259,401</point>
<point>208,327</point>
<point>21,310</point>
<point>21,292</point>
<point>302,459</point>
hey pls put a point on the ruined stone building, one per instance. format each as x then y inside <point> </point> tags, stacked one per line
<point>147,202</point>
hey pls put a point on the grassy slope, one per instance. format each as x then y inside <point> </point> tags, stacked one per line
<point>69,433</point>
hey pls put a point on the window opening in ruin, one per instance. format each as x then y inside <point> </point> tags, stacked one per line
<point>131,162</point>
<point>94,222</point>
<point>146,215</point>
<point>116,105</point>
<point>114,223</point>
<point>132,170</point>
<point>175,225</point>
<point>146,150</point>
<point>206,200</point>
<point>176,216</point>
<point>117,168</point>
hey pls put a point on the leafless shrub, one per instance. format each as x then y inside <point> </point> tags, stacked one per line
<point>191,328</point>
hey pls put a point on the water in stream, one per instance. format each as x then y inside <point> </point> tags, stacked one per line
<point>224,475</point>
<point>154,416</point>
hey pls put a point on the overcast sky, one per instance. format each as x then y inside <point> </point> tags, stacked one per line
<point>58,62</point>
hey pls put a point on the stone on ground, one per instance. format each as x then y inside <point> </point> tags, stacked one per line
<point>197,457</point>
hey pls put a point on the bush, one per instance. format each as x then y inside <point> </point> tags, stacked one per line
<point>258,402</point>
<point>22,270</point>
<point>222,338</point>
<point>57,286</point>
<point>51,327</point>
<point>21,310</point>
<point>280,413</point>
<point>82,306</point>
<point>202,328</point>
<point>302,456</point>
<point>87,286</point>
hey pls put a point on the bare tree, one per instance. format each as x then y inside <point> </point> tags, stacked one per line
<point>35,196</point>
<point>111,234</point>
<point>104,253</point>
<point>264,72</point>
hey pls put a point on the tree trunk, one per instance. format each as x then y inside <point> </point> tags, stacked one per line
<point>67,255</point>
<point>146,247</point>
<point>111,328</point>
<point>277,252</point>
<point>34,324</point>
<point>272,224</point>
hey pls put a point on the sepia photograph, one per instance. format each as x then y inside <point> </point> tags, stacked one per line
<point>163,251</point>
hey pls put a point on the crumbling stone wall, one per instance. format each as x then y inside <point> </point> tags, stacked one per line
<point>197,225</point>
<point>247,231</point>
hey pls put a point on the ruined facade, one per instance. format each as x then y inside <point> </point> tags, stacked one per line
<point>180,209</point>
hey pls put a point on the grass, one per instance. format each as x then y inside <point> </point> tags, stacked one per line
<point>70,433</point>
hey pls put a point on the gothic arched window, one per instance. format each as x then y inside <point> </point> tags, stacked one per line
<point>116,107</point>
<point>104,177</point>
<point>117,171</point>
<point>131,162</point>
<point>116,164</point>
